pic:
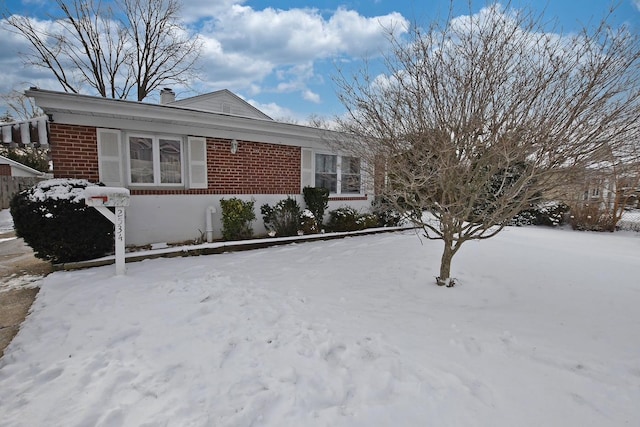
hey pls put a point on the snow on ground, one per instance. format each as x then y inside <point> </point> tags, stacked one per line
<point>6,221</point>
<point>542,330</point>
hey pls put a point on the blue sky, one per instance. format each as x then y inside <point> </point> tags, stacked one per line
<point>280,55</point>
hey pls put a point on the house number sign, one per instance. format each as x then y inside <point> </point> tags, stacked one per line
<point>102,198</point>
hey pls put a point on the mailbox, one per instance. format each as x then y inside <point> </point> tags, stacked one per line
<point>106,196</point>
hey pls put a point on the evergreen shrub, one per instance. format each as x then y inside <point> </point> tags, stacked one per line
<point>283,217</point>
<point>386,215</point>
<point>308,223</point>
<point>550,213</point>
<point>237,216</point>
<point>54,221</point>
<point>317,201</point>
<point>347,218</point>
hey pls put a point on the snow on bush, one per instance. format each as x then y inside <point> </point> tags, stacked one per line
<point>54,221</point>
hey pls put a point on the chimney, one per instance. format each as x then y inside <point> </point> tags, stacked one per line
<point>167,96</point>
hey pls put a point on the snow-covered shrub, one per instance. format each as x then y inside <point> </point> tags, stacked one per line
<point>551,213</point>
<point>308,222</point>
<point>317,201</point>
<point>347,218</point>
<point>54,221</point>
<point>630,220</point>
<point>368,220</point>
<point>237,216</point>
<point>386,215</point>
<point>283,218</point>
<point>343,219</point>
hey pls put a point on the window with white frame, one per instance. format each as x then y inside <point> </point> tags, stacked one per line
<point>155,160</point>
<point>350,178</point>
<point>338,174</point>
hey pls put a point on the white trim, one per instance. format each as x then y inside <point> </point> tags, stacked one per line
<point>195,144</point>
<point>84,110</point>
<point>155,152</point>
<point>338,192</point>
<point>104,159</point>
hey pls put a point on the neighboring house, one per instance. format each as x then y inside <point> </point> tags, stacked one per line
<point>610,188</point>
<point>179,158</point>
<point>10,167</point>
<point>15,177</point>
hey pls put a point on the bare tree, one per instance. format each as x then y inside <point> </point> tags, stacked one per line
<point>138,45</point>
<point>20,107</point>
<point>23,108</point>
<point>480,116</point>
<point>162,51</point>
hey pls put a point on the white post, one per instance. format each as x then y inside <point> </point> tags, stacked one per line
<point>101,198</point>
<point>119,236</point>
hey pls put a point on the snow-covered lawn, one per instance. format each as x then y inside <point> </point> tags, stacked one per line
<point>543,330</point>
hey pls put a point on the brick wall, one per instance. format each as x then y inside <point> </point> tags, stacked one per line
<point>74,151</point>
<point>5,170</point>
<point>256,168</point>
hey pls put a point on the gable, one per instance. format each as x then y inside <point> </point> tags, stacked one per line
<point>222,101</point>
<point>10,167</point>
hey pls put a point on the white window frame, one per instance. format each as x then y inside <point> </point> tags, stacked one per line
<point>338,192</point>
<point>155,141</point>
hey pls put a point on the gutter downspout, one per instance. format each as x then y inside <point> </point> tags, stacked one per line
<point>209,222</point>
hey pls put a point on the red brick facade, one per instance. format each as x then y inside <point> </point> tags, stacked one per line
<point>74,151</point>
<point>5,170</point>
<point>256,168</point>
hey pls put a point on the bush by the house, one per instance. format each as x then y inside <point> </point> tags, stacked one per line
<point>591,217</point>
<point>308,223</point>
<point>387,216</point>
<point>368,220</point>
<point>237,216</point>
<point>347,218</point>
<point>54,221</point>
<point>283,218</point>
<point>317,201</point>
<point>551,213</point>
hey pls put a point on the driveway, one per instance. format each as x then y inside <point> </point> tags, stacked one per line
<point>20,274</point>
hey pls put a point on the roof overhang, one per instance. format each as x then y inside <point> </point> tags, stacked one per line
<point>87,110</point>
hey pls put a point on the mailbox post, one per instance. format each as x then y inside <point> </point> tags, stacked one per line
<point>101,198</point>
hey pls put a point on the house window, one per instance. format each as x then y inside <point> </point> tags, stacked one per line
<point>338,174</point>
<point>327,172</point>
<point>350,175</point>
<point>155,160</point>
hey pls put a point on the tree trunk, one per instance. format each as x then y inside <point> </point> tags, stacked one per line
<point>445,266</point>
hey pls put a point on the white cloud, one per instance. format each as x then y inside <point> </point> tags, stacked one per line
<point>311,96</point>
<point>301,34</point>
<point>287,44</point>
<point>256,51</point>
<point>273,110</point>
<point>636,3</point>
